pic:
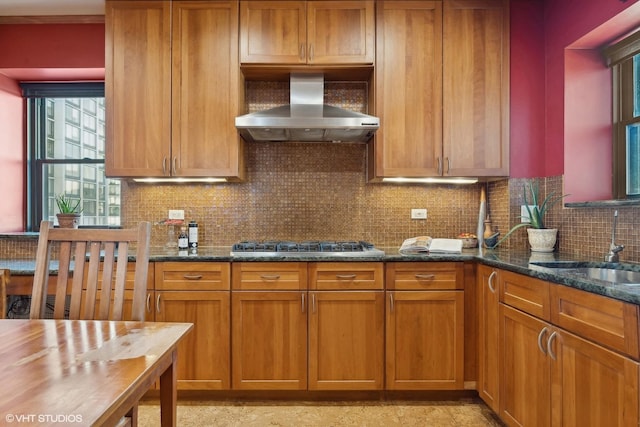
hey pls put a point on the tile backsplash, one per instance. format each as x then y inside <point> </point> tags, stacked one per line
<point>302,191</point>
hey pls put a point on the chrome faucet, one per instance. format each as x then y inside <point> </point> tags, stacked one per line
<point>614,249</point>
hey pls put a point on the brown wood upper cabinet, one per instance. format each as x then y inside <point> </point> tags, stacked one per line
<point>307,32</point>
<point>442,88</point>
<point>172,88</point>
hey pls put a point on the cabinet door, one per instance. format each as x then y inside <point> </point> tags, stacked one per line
<point>595,386</point>
<point>340,32</point>
<point>206,89</point>
<point>525,396</point>
<point>137,88</point>
<point>476,88</point>
<point>273,32</point>
<point>203,355</point>
<point>269,340</point>
<point>409,88</point>
<point>425,340</point>
<point>489,339</point>
<point>346,340</point>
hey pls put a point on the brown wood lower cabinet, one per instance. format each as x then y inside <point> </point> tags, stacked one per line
<point>425,328</point>
<point>488,336</point>
<point>346,326</point>
<point>552,376</point>
<point>525,397</point>
<point>269,340</point>
<point>269,326</point>
<point>198,293</point>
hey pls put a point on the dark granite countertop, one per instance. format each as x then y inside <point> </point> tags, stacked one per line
<point>522,262</point>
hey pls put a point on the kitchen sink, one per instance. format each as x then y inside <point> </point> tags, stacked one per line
<point>608,274</point>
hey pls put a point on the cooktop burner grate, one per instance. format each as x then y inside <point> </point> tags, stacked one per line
<point>306,248</point>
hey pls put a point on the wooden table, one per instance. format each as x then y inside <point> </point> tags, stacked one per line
<point>85,372</point>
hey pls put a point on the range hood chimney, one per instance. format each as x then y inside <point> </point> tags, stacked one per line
<point>307,118</point>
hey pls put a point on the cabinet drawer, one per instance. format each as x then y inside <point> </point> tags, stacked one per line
<point>525,293</point>
<point>607,321</point>
<point>329,276</point>
<point>192,276</point>
<point>425,275</point>
<point>276,276</point>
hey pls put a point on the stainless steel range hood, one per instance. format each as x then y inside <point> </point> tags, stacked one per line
<point>307,118</point>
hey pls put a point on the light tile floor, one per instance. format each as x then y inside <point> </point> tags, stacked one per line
<point>467,412</point>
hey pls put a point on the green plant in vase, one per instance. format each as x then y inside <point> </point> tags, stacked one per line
<point>67,205</point>
<point>541,239</point>
<point>69,215</point>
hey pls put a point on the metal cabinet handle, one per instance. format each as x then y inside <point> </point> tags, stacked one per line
<point>164,165</point>
<point>270,276</point>
<point>301,50</point>
<point>550,344</point>
<point>492,286</point>
<point>311,52</point>
<point>313,303</point>
<point>439,165</point>
<point>303,302</point>
<point>541,335</point>
<point>148,303</point>
<point>193,276</point>
<point>448,166</point>
<point>424,276</point>
<point>346,276</point>
<point>158,304</point>
<point>175,160</point>
<point>391,302</point>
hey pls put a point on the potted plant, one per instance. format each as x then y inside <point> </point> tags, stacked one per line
<point>69,215</point>
<point>541,239</point>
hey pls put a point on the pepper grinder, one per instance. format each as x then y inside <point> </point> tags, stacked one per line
<point>488,231</point>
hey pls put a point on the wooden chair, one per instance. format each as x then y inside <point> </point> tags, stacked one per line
<point>5,274</point>
<point>80,253</point>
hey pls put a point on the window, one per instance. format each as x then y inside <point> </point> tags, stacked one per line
<point>66,153</point>
<point>624,59</point>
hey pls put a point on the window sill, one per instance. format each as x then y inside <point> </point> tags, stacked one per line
<point>603,204</point>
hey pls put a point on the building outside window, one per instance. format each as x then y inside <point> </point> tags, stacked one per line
<point>624,59</point>
<point>66,148</point>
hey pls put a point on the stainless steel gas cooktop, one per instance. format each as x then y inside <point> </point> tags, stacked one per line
<point>312,248</point>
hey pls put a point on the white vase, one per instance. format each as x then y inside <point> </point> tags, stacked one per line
<point>542,239</point>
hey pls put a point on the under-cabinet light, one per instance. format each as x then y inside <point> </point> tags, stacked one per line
<point>179,180</point>
<point>432,180</point>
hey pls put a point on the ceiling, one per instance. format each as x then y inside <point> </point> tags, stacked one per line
<point>51,7</point>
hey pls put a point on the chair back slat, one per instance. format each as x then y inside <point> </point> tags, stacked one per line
<point>121,280</point>
<point>63,277</point>
<point>86,256</point>
<point>78,281</point>
<point>108,259</point>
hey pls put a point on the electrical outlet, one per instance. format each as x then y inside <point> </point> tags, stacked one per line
<point>418,214</point>
<point>176,214</point>
<point>524,213</point>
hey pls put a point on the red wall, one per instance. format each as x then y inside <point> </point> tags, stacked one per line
<point>577,91</point>
<point>527,98</point>
<point>12,175</point>
<point>38,52</point>
<point>52,46</point>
